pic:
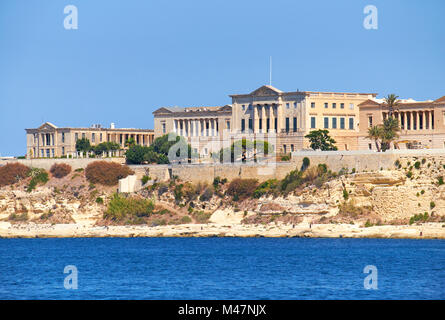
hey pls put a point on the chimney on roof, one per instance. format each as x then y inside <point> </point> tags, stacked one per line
<point>112,126</point>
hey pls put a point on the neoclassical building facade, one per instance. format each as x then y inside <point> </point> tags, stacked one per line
<point>266,113</point>
<point>50,141</point>
<point>422,123</point>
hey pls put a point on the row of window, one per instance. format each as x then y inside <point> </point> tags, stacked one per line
<point>288,105</point>
<point>249,107</point>
<point>76,137</point>
<point>48,153</point>
<point>334,105</point>
<point>333,123</point>
<point>260,124</point>
<point>285,148</point>
<point>49,138</point>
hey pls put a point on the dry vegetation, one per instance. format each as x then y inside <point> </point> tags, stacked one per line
<point>106,173</point>
<point>60,170</point>
<point>12,173</point>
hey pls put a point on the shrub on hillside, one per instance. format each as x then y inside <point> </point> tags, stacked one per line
<point>417,164</point>
<point>185,219</point>
<point>201,216</point>
<point>38,176</point>
<point>292,180</point>
<point>207,194</point>
<point>12,173</point>
<point>128,210</point>
<point>419,218</point>
<point>60,170</point>
<point>242,188</point>
<point>266,187</point>
<point>106,173</point>
<point>188,191</point>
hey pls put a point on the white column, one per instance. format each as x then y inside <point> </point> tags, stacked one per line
<point>279,117</point>
<point>417,120</point>
<point>405,119</point>
<point>272,118</point>
<point>263,119</point>
<point>423,120</point>
<point>255,118</point>
<point>430,115</point>
<point>198,127</point>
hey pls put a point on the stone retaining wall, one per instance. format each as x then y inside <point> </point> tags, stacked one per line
<point>359,160</point>
<point>47,163</point>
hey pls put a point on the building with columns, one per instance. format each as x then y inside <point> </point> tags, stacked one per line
<point>265,112</point>
<point>50,141</point>
<point>422,123</point>
<point>202,126</point>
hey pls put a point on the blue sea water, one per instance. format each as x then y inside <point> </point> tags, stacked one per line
<point>221,268</point>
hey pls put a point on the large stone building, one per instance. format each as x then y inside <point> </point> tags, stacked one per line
<point>49,141</point>
<point>288,116</point>
<point>422,123</point>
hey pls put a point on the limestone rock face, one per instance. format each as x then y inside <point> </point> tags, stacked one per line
<point>379,179</point>
<point>390,196</point>
<point>42,206</point>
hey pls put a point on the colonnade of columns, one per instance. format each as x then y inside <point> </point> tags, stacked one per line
<point>414,120</point>
<point>206,127</point>
<point>47,139</point>
<point>266,118</point>
<point>142,139</point>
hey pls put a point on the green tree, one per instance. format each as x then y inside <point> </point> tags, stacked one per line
<point>392,102</point>
<point>320,139</point>
<point>158,152</point>
<point>162,146</point>
<point>375,133</point>
<point>130,142</point>
<point>245,146</point>
<point>135,154</point>
<point>152,157</point>
<point>390,132</point>
<point>83,145</point>
<point>386,133</point>
<point>105,147</point>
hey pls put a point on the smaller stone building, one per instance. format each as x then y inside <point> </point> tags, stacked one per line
<point>422,123</point>
<point>50,141</point>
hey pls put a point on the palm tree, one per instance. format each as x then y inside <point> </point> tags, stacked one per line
<point>130,142</point>
<point>392,101</point>
<point>375,133</point>
<point>390,132</point>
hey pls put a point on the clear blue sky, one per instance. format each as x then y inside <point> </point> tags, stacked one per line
<point>130,57</point>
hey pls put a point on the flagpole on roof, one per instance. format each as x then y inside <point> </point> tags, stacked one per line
<point>270,70</point>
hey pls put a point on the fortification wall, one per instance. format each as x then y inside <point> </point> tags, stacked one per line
<point>336,160</point>
<point>47,163</point>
